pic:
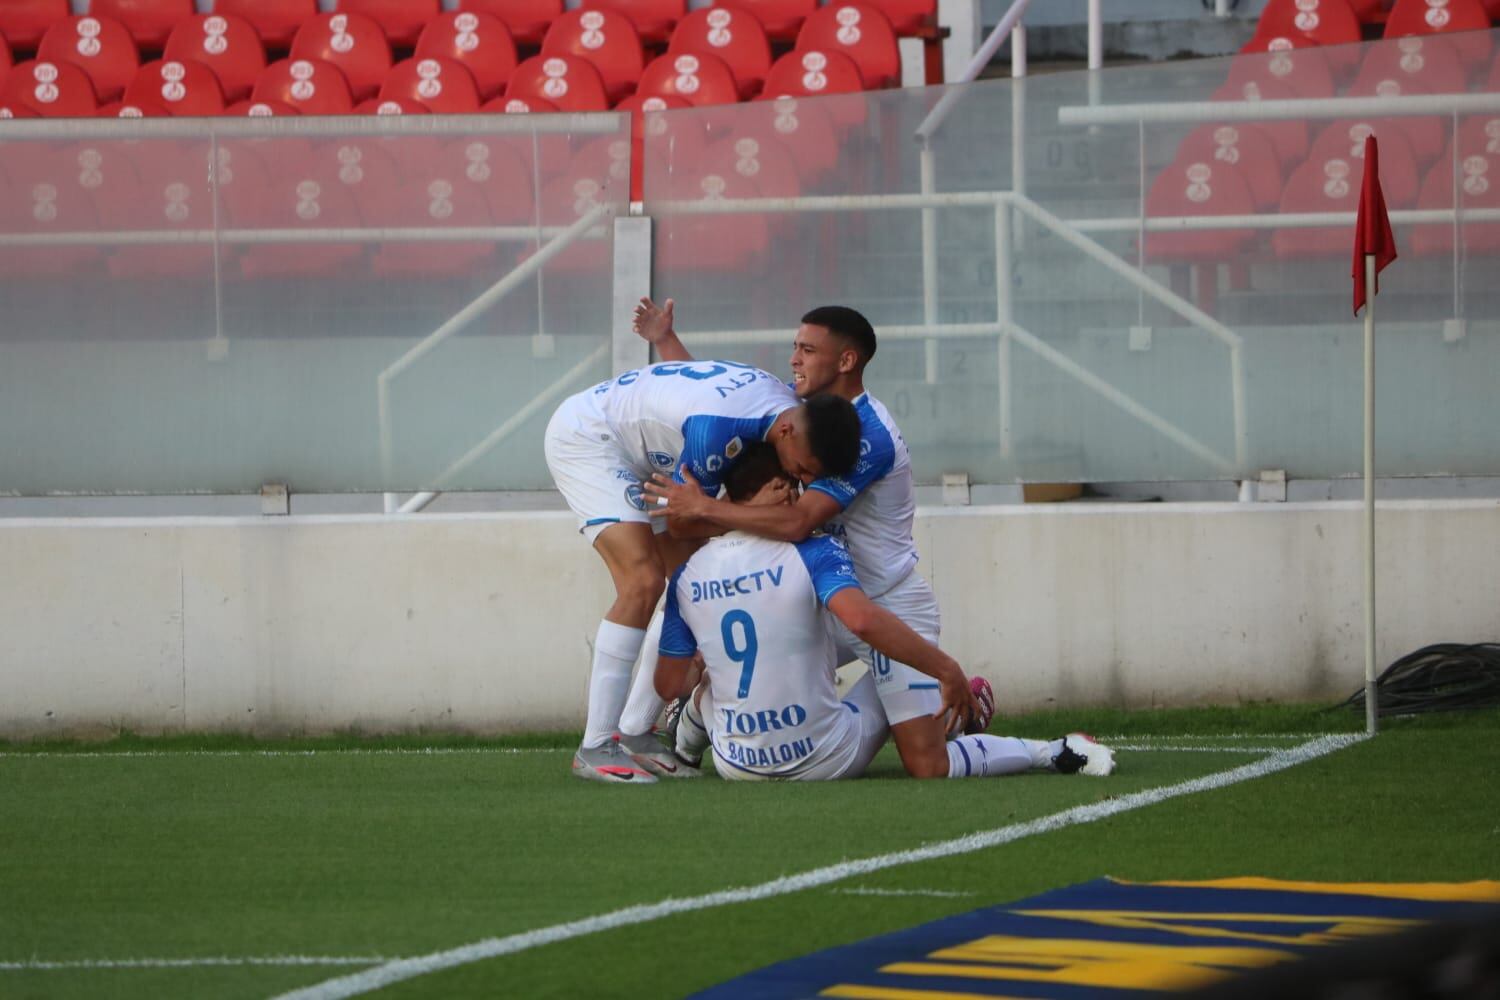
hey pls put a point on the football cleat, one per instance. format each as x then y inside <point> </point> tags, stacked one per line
<point>985,696</point>
<point>609,763</point>
<point>1081,755</point>
<point>648,753</point>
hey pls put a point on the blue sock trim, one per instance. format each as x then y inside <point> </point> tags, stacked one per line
<point>968,766</point>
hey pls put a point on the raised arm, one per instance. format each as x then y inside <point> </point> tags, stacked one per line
<point>653,324</point>
<point>688,509</point>
<point>891,636</point>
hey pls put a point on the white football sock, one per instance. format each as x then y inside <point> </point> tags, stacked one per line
<point>615,650</point>
<point>692,735</point>
<point>644,704</point>
<point>985,756</point>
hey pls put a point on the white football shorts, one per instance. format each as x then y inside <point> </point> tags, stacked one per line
<point>863,734</point>
<point>904,690</point>
<point>600,482</point>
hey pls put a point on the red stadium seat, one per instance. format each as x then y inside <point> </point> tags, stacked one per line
<point>184,88</point>
<point>133,109</point>
<point>224,43</point>
<point>1323,22</point>
<point>1290,137</point>
<point>704,242</point>
<point>434,202</point>
<point>1329,182</point>
<point>12,109</point>
<point>504,175</point>
<point>304,195</point>
<point>640,125</point>
<point>443,85</point>
<point>481,43</point>
<point>653,20</point>
<point>5,60</point>
<point>733,36</point>
<point>782,18</point>
<point>1427,134</point>
<point>604,38</point>
<point>1243,146</point>
<point>812,73</point>
<point>697,79</point>
<point>276,21</point>
<point>1429,61</point>
<point>23,22</point>
<point>170,193</point>
<point>44,196</point>
<point>860,32</point>
<point>910,18</point>
<point>1305,71</point>
<point>52,90</point>
<point>1400,174</point>
<point>1467,20</point>
<point>804,127</point>
<point>311,86</point>
<point>263,108</point>
<point>100,46</point>
<point>762,161</point>
<point>1196,188</point>
<point>391,106</point>
<point>527,20</point>
<point>520,106</point>
<point>1478,186</point>
<point>352,42</point>
<point>1479,134</point>
<point>402,19</point>
<point>569,83</point>
<point>149,21</point>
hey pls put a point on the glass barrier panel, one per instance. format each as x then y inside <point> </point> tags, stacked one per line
<point>337,304</point>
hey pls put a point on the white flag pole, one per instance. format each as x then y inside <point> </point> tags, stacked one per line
<point>1370,696</point>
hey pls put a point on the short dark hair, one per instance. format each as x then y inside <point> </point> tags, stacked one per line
<point>833,432</point>
<point>847,323</point>
<point>757,465</point>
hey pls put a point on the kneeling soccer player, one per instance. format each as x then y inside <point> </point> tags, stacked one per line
<point>768,705</point>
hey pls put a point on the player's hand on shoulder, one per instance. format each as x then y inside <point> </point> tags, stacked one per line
<point>685,500</point>
<point>653,322</point>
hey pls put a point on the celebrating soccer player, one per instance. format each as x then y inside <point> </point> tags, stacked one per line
<point>695,418</point>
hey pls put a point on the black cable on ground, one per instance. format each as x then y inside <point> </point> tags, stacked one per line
<point>1446,677</point>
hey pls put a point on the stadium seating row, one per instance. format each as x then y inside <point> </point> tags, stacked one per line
<point>150,23</point>
<point>591,59</point>
<point>1287,24</point>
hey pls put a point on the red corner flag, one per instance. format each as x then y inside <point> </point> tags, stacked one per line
<point>1372,228</point>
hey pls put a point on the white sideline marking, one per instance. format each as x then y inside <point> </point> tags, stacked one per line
<point>1179,748</point>
<point>409,968</point>
<point>861,891</point>
<point>184,963</point>
<point>393,752</point>
<point>1216,736</point>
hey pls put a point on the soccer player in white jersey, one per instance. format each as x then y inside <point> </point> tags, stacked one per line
<point>872,509</point>
<point>696,418</point>
<point>769,708</point>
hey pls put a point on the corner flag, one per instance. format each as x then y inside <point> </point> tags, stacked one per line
<point>1372,228</point>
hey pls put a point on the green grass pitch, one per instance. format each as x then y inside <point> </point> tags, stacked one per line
<point>192,849</point>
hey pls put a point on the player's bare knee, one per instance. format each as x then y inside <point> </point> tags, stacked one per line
<point>926,764</point>
<point>642,587</point>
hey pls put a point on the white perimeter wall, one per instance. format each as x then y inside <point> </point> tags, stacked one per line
<point>484,622</point>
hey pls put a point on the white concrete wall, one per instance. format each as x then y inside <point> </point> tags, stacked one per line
<point>484,622</point>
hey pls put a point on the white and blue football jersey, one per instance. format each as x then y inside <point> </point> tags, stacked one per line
<point>754,608</point>
<point>879,502</point>
<point>697,415</point>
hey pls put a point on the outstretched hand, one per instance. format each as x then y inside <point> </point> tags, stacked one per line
<point>683,501</point>
<point>653,323</point>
